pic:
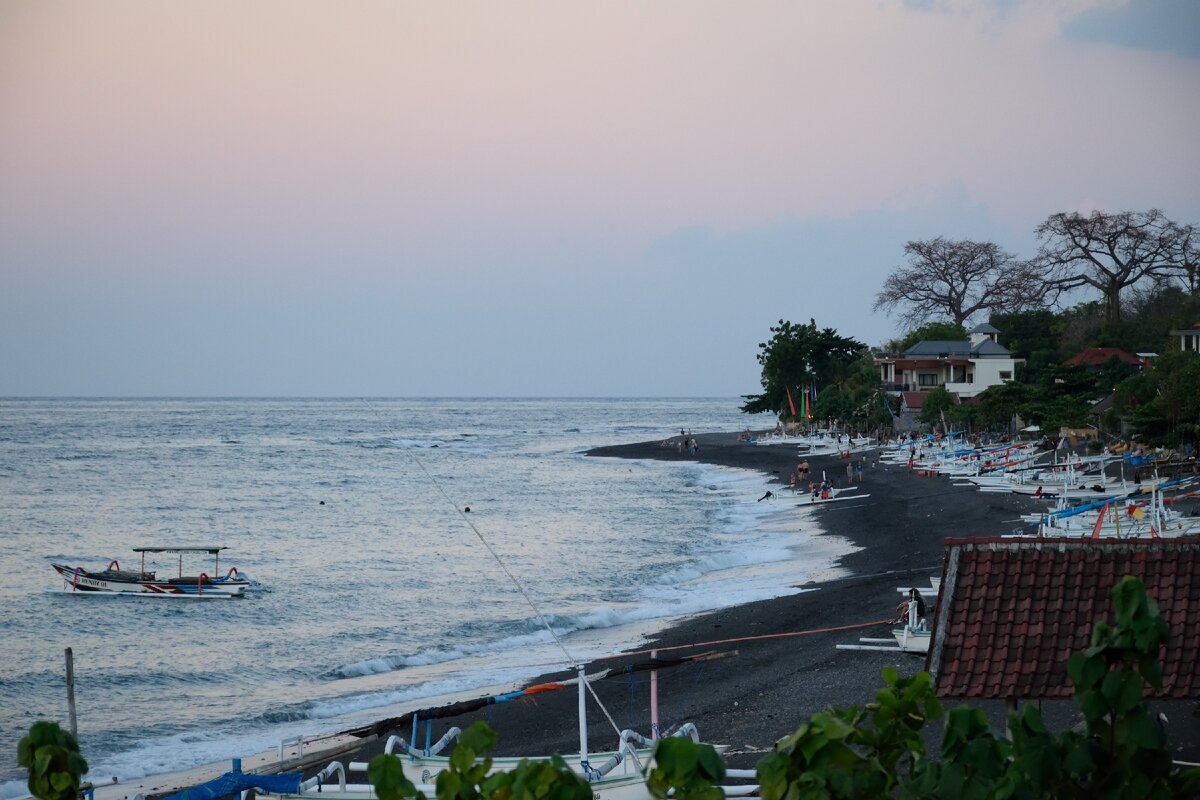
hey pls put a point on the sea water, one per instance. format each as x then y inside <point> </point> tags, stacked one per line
<point>380,594</point>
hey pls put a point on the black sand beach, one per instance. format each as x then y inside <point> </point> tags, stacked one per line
<point>751,700</point>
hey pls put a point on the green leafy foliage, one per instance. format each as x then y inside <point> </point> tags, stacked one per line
<point>798,355</point>
<point>686,770</point>
<point>1163,403</point>
<point>467,777</point>
<point>936,403</point>
<point>52,757</point>
<point>469,765</point>
<point>386,774</point>
<point>550,779</point>
<point>933,331</point>
<point>854,753</point>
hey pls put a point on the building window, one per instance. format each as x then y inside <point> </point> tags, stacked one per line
<point>1005,375</point>
<point>927,379</point>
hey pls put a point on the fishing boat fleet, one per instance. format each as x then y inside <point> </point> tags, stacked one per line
<point>1083,499</point>
<point>1083,496</point>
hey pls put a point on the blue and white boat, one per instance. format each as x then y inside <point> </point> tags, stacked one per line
<point>140,582</point>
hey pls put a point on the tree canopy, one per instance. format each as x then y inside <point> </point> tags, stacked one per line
<point>1111,252</point>
<point>955,280</point>
<point>932,331</point>
<point>1163,402</point>
<point>796,356</point>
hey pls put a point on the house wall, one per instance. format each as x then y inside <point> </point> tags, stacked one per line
<point>987,372</point>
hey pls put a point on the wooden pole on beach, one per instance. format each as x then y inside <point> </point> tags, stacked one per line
<point>654,699</point>
<point>71,692</point>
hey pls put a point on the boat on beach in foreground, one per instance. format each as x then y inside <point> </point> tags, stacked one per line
<point>114,580</point>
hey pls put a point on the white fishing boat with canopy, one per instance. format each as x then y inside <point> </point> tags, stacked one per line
<point>112,580</point>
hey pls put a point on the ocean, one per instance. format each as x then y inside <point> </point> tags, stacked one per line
<point>379,597</point>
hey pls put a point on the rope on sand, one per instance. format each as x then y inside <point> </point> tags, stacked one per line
<point>759,638</point>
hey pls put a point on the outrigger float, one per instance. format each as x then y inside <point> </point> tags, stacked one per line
<point>115,581</point>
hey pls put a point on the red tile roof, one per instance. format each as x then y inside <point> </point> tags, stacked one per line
<point>1099,356</point>
<point>915,401</point>
<point>1012,611</point>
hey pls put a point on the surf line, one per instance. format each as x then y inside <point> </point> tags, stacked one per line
<point>571,661</point>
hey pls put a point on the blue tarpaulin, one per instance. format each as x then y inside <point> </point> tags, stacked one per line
<point>232,783</point>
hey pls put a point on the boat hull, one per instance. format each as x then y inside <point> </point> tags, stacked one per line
<point>911,641</point>
<point>80,580</point>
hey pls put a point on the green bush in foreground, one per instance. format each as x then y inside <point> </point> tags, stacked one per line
<point>52,757</point>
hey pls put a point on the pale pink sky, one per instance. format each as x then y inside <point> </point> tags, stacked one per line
<point>537,198</point>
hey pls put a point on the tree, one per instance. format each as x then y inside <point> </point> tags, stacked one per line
<point>1189,258</point>
<point>932,331</point>
<point>935,403</point>
<point>1035,336</point>
<point>796,356</point>
<point>1111,252</point>
<point>999,405</point>
<point>1163,403</point>
<point>956,280</point>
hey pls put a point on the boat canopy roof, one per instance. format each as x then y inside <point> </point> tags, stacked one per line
<point>209,549</point>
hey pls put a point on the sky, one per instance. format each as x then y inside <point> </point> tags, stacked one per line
<point>548,198</point>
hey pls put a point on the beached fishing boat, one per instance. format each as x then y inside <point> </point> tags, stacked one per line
<point>613,775</point>
<point>113,580</point>
<point>914,636</point>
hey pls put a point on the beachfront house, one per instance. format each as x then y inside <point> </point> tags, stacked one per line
<point>965,368</point>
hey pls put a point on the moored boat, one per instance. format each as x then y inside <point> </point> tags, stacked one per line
<point>114,580</point>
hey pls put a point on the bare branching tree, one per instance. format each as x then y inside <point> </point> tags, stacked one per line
<point>1188,257</point>
<point>1111,252</point>
<point>946,280</point>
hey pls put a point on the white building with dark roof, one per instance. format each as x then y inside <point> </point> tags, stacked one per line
<point>962,367</point>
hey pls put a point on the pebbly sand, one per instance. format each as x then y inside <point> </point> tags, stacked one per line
<point>752,700</point>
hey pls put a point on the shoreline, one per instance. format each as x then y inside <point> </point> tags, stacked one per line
<point>771,685</point>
